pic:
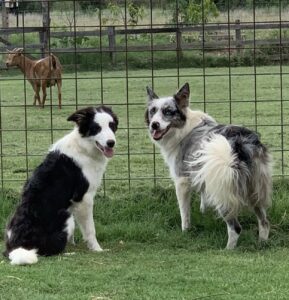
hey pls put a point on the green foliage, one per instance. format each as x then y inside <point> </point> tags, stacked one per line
<point>30,6</point>
<point>195,11</point>
<point>232,4</point>
<point>91,5</point>
<point>135,12</point>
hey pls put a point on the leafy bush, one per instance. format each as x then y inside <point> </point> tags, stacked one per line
<point>232,4</point>
<point>195,11</point>
<point>134,11</point>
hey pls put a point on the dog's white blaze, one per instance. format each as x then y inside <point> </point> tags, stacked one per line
<point>21,256</point>
<point>158,116</point>
<point>216,159</point>
<point>103,119</point>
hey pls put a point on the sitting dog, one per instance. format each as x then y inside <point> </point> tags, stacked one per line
<point>63,186</point>
<point>228,164</point>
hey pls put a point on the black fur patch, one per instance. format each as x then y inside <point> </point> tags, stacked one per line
<point>84,118</point>
<point>170,113</point>
<point>41,216</point>
<point>108,110</point>
<point>178,118</point>
<point>242,140</point>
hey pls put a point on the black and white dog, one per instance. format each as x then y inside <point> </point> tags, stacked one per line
<point>228,164</point>
<point>63,186</point>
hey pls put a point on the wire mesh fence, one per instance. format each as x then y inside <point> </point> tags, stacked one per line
<point>234,54</point>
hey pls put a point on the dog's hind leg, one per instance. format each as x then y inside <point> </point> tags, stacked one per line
<point>234,229</point>
<point>203,202</point>
<point>263,223</point>
<point>83,213</point>
<point>183,191</point>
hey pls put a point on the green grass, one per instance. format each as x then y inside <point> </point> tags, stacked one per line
<point>149,257</point>
<point>46,125</point>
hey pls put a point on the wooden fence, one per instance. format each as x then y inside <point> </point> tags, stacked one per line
<point>228,36</point>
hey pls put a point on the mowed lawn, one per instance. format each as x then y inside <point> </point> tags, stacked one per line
<point>236,95</point>
<point>149,257</point>
<point>136,212</point>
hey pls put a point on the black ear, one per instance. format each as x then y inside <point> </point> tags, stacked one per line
<point>151,94</point>
<point>182,97</point>
<point>81,115</point>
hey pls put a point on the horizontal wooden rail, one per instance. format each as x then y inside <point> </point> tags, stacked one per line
<point>234,37</point>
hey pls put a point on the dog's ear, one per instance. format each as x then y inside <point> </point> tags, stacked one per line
<point>182,97</point>
<point>81,115</point>
<point>151,94</point>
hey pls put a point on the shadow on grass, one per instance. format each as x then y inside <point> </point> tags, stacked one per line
<point>150,215</point>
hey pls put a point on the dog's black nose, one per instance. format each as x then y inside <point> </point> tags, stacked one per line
<point>155,125</point>
<point>110,143</point>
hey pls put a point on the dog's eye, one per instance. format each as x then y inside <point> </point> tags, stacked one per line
<point>153,110</point>
<point>112,126</point>
<point>168,112</point>
<point>95,129</point>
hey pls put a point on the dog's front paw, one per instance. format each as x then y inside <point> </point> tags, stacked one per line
<point>94,246</point>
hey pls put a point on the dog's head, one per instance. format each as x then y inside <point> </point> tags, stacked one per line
<point>164,115</point>
<point>97,125</point>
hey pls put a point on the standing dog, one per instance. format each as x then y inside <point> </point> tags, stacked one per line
<point>62,186</point>
<point>228,164</point>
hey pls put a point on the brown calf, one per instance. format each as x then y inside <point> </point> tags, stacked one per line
<point>41,73</point>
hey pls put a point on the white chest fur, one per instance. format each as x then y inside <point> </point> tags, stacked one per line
<point>170,159</point>
<point>93,171</point>
<point>91,161</point>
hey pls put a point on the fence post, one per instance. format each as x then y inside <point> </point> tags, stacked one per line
<point>41,42</point>
<point>46,26</point>
<point>179,42</point>
<point>111,43</point>
<point>5,18</point>
<point>238,36</point>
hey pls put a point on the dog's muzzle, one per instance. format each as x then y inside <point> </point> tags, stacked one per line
<point>157,134</point>
<point>108,149</point>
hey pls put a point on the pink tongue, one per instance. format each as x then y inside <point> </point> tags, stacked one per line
<point>157,134</point>
<point>108,152</point>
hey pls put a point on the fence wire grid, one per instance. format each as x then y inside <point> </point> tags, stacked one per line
<point>234,56</point>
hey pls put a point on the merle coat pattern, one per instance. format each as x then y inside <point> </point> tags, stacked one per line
<point>228,164</point>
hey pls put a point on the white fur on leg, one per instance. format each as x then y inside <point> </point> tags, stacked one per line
<point>83,213</point>
<point>9,234</point>
<point>203,203</point>
<point>70,226</point>
<point>263,231</point>
<point>183,192</point>
<point>233,237</point>
<point>21,256</point>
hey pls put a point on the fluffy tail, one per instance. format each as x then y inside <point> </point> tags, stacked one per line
<point>216,171</point>
<point>21,256</point>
